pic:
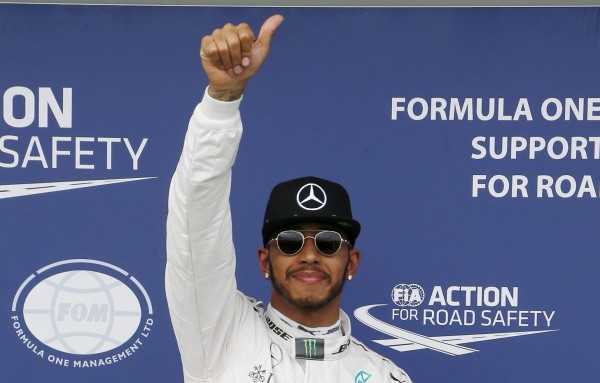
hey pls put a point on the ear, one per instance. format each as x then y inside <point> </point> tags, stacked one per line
<point>353,261</point>
<point>263,260</point>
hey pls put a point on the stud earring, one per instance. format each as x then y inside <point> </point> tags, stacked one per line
<point>350,277</point>
<point>266,275</point>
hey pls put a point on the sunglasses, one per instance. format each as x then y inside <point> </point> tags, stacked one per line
<point>291,242</point>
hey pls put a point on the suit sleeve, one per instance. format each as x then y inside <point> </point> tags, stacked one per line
<point>200,272</point>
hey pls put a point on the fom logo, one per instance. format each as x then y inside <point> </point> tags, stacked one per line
<point>80,308</point>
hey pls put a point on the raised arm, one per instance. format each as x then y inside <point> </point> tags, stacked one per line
<point>199,280</point>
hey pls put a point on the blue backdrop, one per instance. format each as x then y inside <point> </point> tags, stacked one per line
<point>385,101</point>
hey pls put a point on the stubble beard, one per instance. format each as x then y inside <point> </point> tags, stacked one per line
<point>308,303</point>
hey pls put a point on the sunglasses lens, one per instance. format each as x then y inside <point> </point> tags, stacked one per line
<point>328,242</point>
<point>290,242</point>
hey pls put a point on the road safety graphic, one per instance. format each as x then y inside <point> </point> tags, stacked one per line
<point>40,134</point>
<point>20,190</point>
<point>452,307</point>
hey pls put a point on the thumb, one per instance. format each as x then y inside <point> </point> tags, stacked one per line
<point>268,30</point>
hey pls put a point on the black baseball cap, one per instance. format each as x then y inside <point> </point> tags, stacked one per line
<point>309,199</point>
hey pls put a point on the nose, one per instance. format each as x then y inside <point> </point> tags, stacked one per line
<point>309,253</point>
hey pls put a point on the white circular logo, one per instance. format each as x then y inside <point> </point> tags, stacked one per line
<point>81,307</point>
<point>408,295</point>
<point>311,197</point>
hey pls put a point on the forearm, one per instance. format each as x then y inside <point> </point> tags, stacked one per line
<point>199,193</point>
<point>200,281</point>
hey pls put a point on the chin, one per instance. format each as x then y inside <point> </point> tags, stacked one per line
<point>310,303</point>
<point>308,297</point>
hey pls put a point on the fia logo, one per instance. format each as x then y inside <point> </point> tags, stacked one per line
<point>408,295</point>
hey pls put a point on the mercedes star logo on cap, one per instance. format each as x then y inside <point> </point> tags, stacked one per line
<point>311,197</point>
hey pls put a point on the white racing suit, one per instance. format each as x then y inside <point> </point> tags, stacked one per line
<point>223,335</point>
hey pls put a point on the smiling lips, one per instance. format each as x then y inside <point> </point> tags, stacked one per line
<point>309,276</point>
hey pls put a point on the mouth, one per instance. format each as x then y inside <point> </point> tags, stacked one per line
<point>309,276</point>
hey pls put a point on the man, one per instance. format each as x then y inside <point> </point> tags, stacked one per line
<point>308,253</point>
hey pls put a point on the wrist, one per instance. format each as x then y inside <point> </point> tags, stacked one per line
<point>231,93</point>
<point>220,112</point>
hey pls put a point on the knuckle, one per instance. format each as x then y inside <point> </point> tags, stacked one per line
<point>245,35</point>
<point>212,51</point>
<point>234,44</point>
<point>206,42</point>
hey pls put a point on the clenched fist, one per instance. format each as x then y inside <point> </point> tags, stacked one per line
<point>231,55</point>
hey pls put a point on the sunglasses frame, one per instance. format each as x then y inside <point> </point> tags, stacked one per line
<point>304,237</point>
